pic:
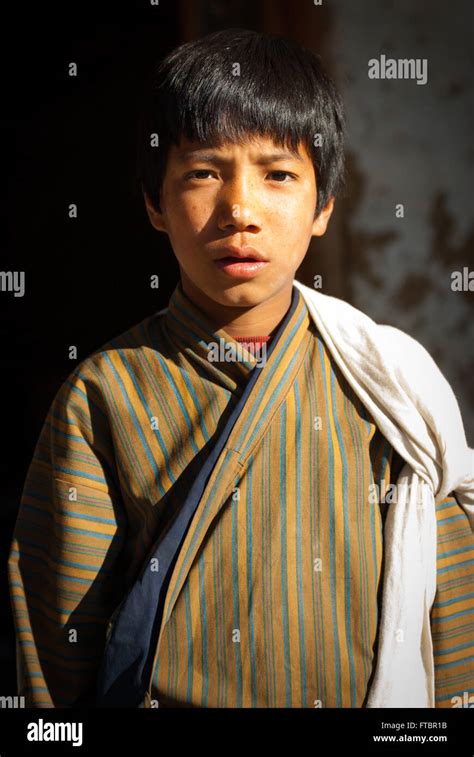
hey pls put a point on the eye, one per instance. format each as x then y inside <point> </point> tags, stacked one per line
<point>192,174</point>
<point>282,173</point>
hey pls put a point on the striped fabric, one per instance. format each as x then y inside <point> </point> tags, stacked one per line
<point>275,595</point>
<point>453,609</point>
<point>452,616</point>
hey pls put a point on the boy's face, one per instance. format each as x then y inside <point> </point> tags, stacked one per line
<point>256,194</point>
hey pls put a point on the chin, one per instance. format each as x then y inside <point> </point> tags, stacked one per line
<point>245,294</point>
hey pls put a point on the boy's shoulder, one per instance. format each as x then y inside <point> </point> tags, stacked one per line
<point>140,336</point>
<point>389,363</point>
<point>126,349</point>
<point>360,329</point>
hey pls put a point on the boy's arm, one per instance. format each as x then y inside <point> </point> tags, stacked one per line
<point>452,616</point>
<point>62,565</point>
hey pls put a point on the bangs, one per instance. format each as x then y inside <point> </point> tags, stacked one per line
<point>237,84</point>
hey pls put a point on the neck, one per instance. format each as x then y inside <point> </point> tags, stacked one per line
<point>262,319</point>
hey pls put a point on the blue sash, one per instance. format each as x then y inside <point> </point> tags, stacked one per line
<point>126,665</point>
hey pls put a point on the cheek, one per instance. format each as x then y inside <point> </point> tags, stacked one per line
<point>296,207</point>
<point>187,218</point>
<point>294,219</point>
<point>192,211</point>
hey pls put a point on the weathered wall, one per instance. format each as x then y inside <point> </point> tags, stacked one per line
<point>412,144</point>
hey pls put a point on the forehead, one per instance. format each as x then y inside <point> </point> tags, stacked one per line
<point>255,147</point>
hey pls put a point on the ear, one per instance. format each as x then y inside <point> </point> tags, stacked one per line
<point>320,223</point>
<point>154,214</point>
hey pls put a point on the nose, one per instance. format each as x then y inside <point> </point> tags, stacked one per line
<point>238,208</point>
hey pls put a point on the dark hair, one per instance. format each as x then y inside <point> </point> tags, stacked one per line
<point>282,91</point>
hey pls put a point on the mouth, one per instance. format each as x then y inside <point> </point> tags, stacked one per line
<point>245,254</point>
<point>237,259</point>
<point>240,267</point>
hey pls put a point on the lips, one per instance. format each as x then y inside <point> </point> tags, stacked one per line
<point>235,259</point>
<point>240,268</point>
<point>240,254</point>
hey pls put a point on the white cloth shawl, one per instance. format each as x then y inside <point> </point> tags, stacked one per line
<point>415,408</point>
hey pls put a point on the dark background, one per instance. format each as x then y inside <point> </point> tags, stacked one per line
<point>72,140</point>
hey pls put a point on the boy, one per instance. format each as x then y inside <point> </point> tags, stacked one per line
<point>205,520</point>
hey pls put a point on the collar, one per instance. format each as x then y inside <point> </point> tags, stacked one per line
<point>227,360</point>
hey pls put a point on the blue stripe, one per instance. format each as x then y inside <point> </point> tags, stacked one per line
<point>455,551</point>
<point>249,529</point>
<point>347,548</point>
<point>455,567</point>
<point>331,490</point>
<point>454,649</point>
<point>204,653</point>
<point>453,664</point>
<point>453,601</point>
<point>189,637</point>
<point>65,511</point>
<point>299,559</point>
<point>455,615</point>
<point>284,563</point>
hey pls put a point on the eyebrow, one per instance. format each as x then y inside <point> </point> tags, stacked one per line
<point>210,157</point>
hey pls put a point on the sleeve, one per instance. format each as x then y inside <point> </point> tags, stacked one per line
<point>63,574</point>
<point>452,615</point>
